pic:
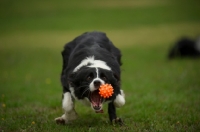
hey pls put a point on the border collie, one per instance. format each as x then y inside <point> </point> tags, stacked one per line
<point>185,47</point>
<point>89,61</point>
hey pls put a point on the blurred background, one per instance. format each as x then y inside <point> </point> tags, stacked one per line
<point>49,23</point>
<point>33,33</point>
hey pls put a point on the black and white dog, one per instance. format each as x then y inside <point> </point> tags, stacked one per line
<point>185,47</point>
<point>89,61</point>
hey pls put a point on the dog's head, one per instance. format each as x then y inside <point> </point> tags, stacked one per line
<point>85,83</point>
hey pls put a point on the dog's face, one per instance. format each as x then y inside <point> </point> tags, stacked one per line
<point>86,81</point>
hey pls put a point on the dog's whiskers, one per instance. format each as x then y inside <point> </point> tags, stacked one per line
<point>89,93</point>
<point>85,91</point>
<point>80,87</point>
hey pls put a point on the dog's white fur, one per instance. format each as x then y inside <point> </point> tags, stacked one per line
<point>120,99</point>
<point>68,106</point>
<point>198,44</point>
<point>93,62</point>
<point>91,86</point>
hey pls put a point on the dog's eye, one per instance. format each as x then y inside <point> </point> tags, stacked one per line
<point>89,78</point>
<point>104,78</point>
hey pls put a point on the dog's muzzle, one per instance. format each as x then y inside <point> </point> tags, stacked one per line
<point>96,101</point>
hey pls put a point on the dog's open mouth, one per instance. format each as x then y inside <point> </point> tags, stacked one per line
<point>96,101</point>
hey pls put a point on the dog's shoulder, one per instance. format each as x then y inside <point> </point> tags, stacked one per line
<point>90,44</point>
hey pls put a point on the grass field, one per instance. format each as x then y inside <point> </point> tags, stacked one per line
<point>161,94</point>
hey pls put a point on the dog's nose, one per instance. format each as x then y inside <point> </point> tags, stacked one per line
<point>97,83</point>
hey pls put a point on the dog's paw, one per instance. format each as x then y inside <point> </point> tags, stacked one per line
<point>60,120</point>
<point>117,121</point>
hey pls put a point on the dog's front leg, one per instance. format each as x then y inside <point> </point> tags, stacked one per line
<point>118,102</point>
<point>112,114</point>
<point>68,106</point>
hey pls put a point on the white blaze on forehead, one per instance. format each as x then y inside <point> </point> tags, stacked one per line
<point>92,86</point>
<point>92,63</point>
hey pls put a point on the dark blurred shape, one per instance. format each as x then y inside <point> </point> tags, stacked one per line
<point>185,47</point>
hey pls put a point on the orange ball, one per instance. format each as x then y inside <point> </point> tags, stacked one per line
<point>106,90</point>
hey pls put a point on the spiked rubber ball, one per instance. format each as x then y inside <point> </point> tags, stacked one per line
<point>106,90</point>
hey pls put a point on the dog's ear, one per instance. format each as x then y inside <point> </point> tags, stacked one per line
<point>70,78</point>
<point>71,75</point>
<point>116,77</point>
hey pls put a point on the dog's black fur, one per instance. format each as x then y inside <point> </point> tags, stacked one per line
<point>82,80</point>
<point>185,47</point>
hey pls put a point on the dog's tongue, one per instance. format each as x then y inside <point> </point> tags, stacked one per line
<point>96,101</point>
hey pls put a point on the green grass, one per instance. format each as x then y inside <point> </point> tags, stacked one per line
<point>161,95</point>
